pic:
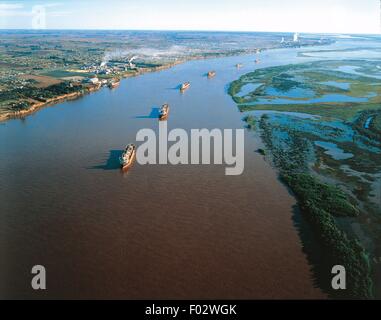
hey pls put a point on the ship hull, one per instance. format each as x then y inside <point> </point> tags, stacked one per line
<point>184,87</point>
<point>211,74</point>
<point>114,85</point>
<point>129,164</point>
<point>163,117</point>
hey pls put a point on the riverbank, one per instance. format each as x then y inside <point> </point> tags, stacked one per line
<point>36,106</point>
<point>323,205</point>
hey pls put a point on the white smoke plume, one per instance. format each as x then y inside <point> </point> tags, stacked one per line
<point>153,53</point>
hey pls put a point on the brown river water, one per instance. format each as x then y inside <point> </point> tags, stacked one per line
<point>158,231</point>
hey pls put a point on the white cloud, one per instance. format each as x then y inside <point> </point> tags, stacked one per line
<point>10,6</point>
<point>11,9</point>
<point>18,10</point>
<point>51,5</point>
<point>13,13</point>
<point>58,13</point>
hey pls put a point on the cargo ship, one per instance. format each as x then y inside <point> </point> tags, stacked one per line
<point>185,86</point>
<point>211,74</point>
<point>163,112</point>
<point>113,84</point>
<point>128,156</point>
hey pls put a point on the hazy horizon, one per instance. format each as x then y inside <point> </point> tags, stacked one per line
<point>325,17</point>
<point>200,31</point>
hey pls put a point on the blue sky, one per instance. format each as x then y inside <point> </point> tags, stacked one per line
<point>334,16</point>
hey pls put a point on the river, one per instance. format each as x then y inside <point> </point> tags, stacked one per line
<point>157,231</point>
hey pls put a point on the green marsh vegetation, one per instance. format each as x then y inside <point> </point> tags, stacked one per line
<point>330,160</point>
<point>322,78</point>
<point>321,204</point>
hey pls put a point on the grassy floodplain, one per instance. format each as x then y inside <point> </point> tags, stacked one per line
<point>320,122</point>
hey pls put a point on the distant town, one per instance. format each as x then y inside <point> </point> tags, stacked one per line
<point>42,67</point>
